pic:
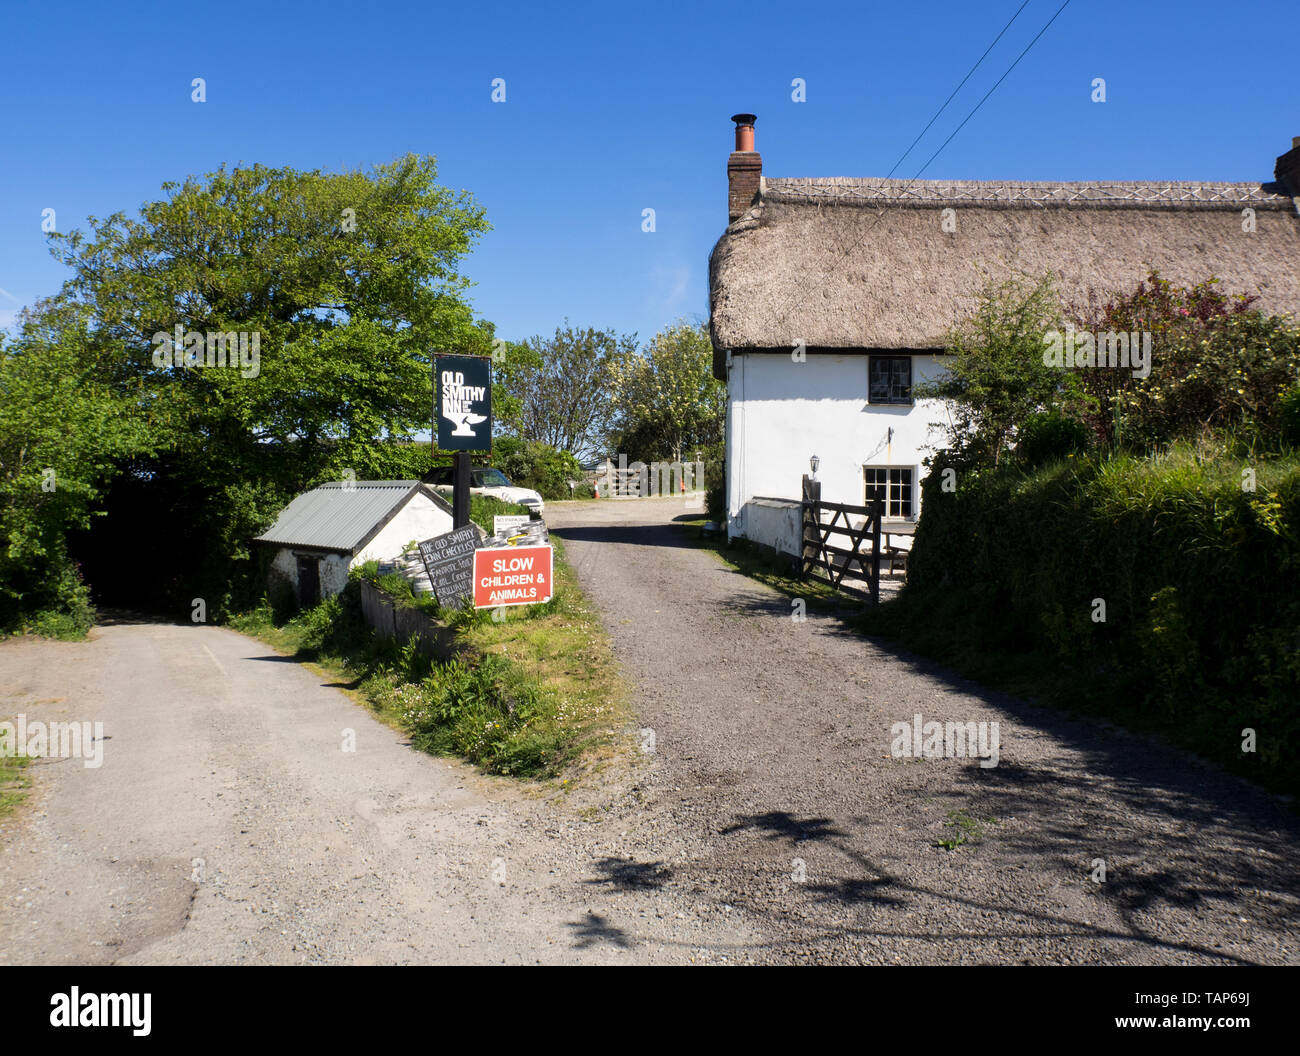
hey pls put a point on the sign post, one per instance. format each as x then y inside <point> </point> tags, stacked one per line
<point>460,491</point>
<point>462,419</point>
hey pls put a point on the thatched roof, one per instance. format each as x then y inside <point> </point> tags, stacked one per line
<point>850,263</point>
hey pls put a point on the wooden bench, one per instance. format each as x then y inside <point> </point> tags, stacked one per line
<point>896,555</point>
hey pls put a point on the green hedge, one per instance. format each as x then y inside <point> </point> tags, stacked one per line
<point>715,497</point>
<point>1200,580</point>
<point>533,464</point>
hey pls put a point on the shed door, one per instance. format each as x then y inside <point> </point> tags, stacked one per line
<point>308,581</point>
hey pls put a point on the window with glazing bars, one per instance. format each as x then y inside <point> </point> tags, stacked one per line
<point>889,379</point>
<point>892,484</point>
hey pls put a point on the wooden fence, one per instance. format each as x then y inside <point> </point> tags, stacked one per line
<point>649,479</point>
<point>862,551</point>
<point>389,619</point>
<point>620,484</point>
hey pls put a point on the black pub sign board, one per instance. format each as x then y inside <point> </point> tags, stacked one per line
<point>463,405</point>
<point>449,560</point>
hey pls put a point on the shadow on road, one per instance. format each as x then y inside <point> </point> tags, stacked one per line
<point>779,824</point>
<point>593,929</point>
<point>627,534</point>
<point>874,887</point>
<point>118,617</point>
<point>1198,864</point>
<point>628,875</point>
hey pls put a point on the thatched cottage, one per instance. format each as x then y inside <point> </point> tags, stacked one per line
<point>830,298</point>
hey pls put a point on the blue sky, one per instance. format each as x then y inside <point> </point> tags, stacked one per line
<point>611,109</point>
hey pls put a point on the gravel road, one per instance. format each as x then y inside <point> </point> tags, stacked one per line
<point>774,747</point>
<point>769,824</point>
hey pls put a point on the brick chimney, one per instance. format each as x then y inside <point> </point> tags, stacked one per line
<point>1287,169</point>
<point>745,168</point>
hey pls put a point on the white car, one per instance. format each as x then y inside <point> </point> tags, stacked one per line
<point>484,480</point>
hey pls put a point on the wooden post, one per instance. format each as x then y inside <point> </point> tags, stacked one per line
<point>811,538</point>
<point>877,515</point>
<point>460,491</point>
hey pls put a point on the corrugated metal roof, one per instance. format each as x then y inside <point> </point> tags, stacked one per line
<point>338,516</point>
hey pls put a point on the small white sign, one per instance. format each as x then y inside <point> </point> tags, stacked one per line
<point>501,525</point>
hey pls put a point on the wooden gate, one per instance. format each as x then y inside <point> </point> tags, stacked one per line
<point>862,550</point>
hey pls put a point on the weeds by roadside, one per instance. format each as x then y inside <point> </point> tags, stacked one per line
<point>963,829</point>
<point>14,782</point>
<point>531,689</point>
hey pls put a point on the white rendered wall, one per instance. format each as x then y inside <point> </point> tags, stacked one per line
<point>333,574</point>
<point>781,412</point>
<point>776,524</point>
<point>332,569</point>
<point>287,565</point>
<point>419,519</point>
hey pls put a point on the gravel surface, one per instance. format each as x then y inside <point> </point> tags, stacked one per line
<point>227,825</point>
<point>769,824</point>
<point>773,744</point>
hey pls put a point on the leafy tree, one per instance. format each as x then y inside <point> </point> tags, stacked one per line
<point>666,400</point>
<point>995,377</point>
<point>347,282</point>
<point>556,390</point>
<point>515,368</point>
<point>1216,363</point>
<point>62,429</point>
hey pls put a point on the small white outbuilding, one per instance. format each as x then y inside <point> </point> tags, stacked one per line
<point>325,532</point>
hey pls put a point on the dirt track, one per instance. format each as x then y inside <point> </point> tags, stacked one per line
<point>227,825</point>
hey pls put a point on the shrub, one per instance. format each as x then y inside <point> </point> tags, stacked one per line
<point>54,623</point>
<point>1200,580</point>
<point>533,464</point>
<point>482,508</point>
<point>1199,577</point>
<point>67,612</point>
<point>1048,436</point>
<point>715,496</point>
<point>1286,418</point>
<point>1217,363</point>
<point>995,376</point>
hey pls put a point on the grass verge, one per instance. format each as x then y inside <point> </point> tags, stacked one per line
<point>761,565</point>
<point>528,692</point>
<point>14,782</point>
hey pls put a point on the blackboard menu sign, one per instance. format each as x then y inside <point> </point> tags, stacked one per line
<point>449,560</point>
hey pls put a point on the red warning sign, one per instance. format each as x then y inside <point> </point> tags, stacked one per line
<point>512,575</point>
